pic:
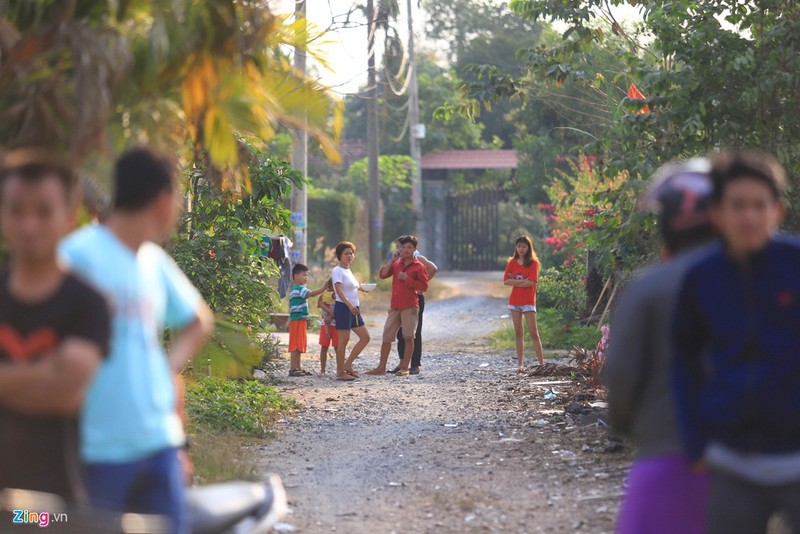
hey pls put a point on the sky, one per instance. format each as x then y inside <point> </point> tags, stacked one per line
<point>345,44</point>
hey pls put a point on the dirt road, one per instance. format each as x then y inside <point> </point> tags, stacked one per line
<point>466,446</point>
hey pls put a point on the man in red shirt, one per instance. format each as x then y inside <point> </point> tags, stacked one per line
<point>409,277</point>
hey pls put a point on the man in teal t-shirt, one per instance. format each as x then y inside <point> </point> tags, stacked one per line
<point>131,433</point>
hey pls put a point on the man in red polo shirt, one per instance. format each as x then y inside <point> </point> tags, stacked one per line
<point>409,277</point>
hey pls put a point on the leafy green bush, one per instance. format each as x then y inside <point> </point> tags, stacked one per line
<point>555,331</point>
<point>562,288</point>
<point>218,245</point>
<point>246,407</point>
<point>225,268</point>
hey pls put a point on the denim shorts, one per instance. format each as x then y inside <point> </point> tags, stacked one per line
<point>345,320</point>
<point>527,308</point>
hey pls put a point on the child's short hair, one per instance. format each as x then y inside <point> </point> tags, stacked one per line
<point>299,268</point>
<point>408,239</point>
<point>341,247</point>
<point>140,176</point>
<point>33,164</point>
<point>728,167</point>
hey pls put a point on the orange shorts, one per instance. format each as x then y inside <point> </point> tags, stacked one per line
<point>328,341</point>
<point>298,334</point>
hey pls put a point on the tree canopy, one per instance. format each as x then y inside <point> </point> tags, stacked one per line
<point>84,76</point>
<point>709,75</point>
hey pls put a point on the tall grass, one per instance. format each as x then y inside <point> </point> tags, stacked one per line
<point>225,418</point>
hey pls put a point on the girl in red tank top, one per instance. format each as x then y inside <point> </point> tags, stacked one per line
<point>522,274</point>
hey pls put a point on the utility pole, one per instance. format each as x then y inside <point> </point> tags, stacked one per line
<point>416,132</point>
<point>299,198</point>
<point>373,189</point>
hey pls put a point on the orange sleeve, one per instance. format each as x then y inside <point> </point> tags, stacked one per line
<point>507,273</point>
<point>534,276</point>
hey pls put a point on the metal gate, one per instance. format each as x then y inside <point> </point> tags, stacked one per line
<point>473,230</point>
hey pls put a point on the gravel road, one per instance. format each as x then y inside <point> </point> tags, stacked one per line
<point>466,446</point>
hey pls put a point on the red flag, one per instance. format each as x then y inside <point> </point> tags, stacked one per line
<point>635,93</point>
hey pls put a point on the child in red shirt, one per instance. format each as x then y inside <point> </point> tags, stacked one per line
<point>522,274</point>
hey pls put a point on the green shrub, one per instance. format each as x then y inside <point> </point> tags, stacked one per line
<point>562,288</point>
<point>225,268</point>
<point>219,241</point>
<point>246,407</point>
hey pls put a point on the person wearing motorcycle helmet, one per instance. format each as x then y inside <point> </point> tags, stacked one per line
<point>664,494</point>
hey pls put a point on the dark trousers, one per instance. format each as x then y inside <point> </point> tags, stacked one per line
<point>416,357</point>
<point>153,485</point>
<point>736,505</point>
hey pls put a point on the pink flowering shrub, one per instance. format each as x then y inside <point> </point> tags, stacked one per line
<point>576,206</point>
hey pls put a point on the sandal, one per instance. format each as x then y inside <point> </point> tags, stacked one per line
<point>376,372</point>
<point>401,372</point>
<point>345,377</point>
<point>351,373</point>
<point>298,372</point>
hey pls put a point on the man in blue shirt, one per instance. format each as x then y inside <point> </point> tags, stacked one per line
<point>664,493</point>
<point>131,435</point>
<point>736,336</point>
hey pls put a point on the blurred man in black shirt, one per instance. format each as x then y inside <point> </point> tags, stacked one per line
<point>54,329</point>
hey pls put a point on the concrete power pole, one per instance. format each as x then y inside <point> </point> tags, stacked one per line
<point>416,132</point>
<point>373,189</point>
<point>299,198</point>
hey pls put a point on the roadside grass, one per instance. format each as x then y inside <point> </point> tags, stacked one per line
<point>555,331</point>
<point>225,417</point>
<point>221,456</point>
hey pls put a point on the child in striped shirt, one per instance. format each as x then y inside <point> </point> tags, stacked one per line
<point>298,317</point>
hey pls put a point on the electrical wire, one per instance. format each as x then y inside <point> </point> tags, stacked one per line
<point>403,90</point>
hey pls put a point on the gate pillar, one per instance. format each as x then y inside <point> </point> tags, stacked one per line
<point>434,242</point>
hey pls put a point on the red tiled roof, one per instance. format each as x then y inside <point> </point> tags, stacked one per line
<point>470,159</point>
<point>352,150</point>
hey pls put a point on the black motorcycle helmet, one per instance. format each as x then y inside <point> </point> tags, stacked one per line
<point>680,193</point>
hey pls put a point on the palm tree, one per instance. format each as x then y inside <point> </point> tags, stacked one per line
<point>88,78</point>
